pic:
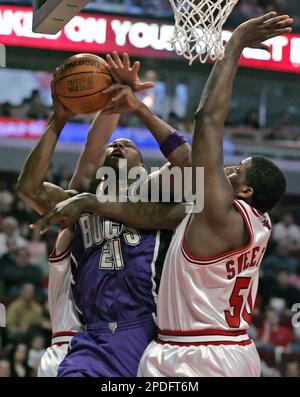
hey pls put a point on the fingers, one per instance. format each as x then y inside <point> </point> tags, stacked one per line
<point>146,85</point>
<point>117,60</point>
<point>111,62</point>
<point>114,75</point>
<point>120,94</point>
<point>136,67</point>
<point>126,60</point>
<point>277,26</point>
<point>266,17</point>
<point>44,224</point>
<point>275,20</point>
<point>279,32</point>
<point>285,24</point>
<point>114,87</point>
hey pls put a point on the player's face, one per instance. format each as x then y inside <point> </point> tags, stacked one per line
<point>122,149</point>
<point>237,174</point>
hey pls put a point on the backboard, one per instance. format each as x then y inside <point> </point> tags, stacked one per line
<point>50,16</point>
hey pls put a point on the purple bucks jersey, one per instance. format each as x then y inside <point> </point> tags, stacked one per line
<point>116,269</point>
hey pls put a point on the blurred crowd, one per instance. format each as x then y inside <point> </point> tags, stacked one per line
<point>244,10</point>
<point>284,127</point>
<point>24,279</point>
<point>247,9</point>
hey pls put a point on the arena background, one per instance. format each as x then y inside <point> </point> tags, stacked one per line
<point>264,119</point>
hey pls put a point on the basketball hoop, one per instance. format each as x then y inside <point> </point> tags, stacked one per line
<point>198,28</point>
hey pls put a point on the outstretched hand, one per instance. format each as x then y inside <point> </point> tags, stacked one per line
<point>124,73</point>
<point>255,31</point>
<point>64,214</point>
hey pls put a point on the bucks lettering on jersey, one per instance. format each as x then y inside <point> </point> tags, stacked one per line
<point>116,269</point>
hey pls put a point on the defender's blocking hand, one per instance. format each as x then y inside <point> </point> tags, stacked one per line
<point>124,73</point>
<point>255,31</point>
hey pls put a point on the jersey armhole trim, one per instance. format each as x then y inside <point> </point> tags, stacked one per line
<point>217,258</point>
<point>61,257</point>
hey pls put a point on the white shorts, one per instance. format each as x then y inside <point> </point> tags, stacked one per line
<point>51,360</point>
<point>200,361</point>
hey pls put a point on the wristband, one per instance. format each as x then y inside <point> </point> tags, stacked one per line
<point>172,142</point>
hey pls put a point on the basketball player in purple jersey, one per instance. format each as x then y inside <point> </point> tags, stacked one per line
<point>114,267</point>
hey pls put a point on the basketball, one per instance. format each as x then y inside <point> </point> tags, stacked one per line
<point>79,83</point>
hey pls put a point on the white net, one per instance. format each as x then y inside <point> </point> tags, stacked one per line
<point>198,28</point>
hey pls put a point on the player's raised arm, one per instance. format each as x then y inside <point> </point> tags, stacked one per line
<point>207,149</point>
<point>31,185</point>
<point>172,143</point>
<point>93,154</point>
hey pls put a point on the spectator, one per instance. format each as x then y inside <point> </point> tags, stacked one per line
<point>38,251</point>
<point>23,313</point>
<point>292,369</point>
<point>284,130</point>
<point>294,279</point>
<point>279,288</point>
<point>6,198</point>
<point>36,108</point>
<point>5,369</point>
<point>6,109</point>
<point>252,120</point>
<point>10,231</point>
<point>18,361</point>
<point>19,271</point>
<point>22,211</point>
<point>287,234</point>
<point>250,9</point>
<point>280,259</point>
<point>274,334</point>
<point>36,352</point>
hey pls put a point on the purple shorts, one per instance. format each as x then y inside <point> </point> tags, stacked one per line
<point>109,349</point>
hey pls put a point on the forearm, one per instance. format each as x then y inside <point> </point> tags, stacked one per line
<point>181,155</point>
<point>148,216</point>
<point>93,154</point>
<point>215,101</point>
<point>36,166</point>
<point>159,129</point>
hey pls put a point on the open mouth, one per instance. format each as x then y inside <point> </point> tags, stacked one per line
<point>117,153</point>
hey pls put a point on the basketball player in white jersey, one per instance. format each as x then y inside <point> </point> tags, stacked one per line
<point>211,271</point>
<point>64,320</point>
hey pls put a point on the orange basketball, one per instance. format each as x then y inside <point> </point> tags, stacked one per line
<point>79,83</point>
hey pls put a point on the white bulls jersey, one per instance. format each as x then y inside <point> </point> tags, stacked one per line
<point>64,321</point>
<point>205,306</point>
